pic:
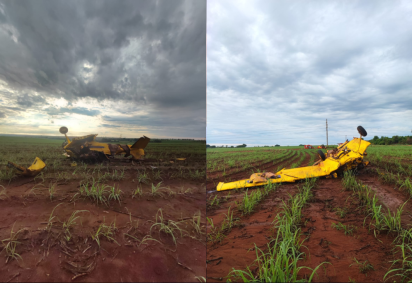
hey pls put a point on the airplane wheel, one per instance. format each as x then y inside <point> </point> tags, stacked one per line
<point>63,130</point>
<point>362,131</point>
<point>321,155</point>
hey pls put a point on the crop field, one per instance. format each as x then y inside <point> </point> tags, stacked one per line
<point>355,228</point>
<point>111,221</point>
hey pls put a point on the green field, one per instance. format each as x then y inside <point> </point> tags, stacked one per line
<point>23,150</point>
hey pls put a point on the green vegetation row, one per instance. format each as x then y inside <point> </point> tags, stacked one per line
<point>302,156</point>
<point>244,161</point>
<point>250,201</point>
<point>56,171</point>
<point>393,160</point>
<point>280,262</point>
<point>382,221</point>
<point>401,152</point>
<point>24,150</point>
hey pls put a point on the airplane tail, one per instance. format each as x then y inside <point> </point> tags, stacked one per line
<point>137,149</point>
<point>141,143</point>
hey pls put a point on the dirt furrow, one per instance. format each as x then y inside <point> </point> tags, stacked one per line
<point>237,249</point>
<point>327,244</point>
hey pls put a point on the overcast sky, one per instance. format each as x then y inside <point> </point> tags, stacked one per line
<point>113,68</point>
<point>276,70</point>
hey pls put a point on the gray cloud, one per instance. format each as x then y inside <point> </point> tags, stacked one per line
<point>144,52</point>
<point>78,110</point>
<point>183,123</point>
<point>275,77</point>
<point>109,126</point>
<point>27,100</point>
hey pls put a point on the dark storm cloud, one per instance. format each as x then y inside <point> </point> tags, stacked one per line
<point>183,123</point>
<point>27,100</point>
<point>143,52</point>
<point>278,69</point>
<point>148,121</point>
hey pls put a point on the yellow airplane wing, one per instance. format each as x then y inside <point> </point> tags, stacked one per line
<point>348,157</point>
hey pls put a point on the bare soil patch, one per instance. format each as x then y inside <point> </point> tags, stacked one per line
<point>47,255</point>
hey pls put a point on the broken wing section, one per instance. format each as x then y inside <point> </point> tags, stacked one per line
<point>350,157</point>
<point>137,149</point>
<point>35,168</point>
<point>285,175</point>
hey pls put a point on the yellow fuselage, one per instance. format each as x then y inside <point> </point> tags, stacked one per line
<point>83,144</point>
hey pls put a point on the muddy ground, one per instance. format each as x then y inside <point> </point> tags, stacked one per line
<point>52,254</point>
<point>323,243</point>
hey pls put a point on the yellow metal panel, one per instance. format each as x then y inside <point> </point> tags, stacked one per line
<point>34,169</point>
<point>37,165</point>
<point>137,153</point>
<point>80,141</point>
<point>98,146</point>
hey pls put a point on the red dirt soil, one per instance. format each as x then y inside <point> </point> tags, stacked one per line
<point>324,243</point>
<point>237,248</point>
<point>46,257</point>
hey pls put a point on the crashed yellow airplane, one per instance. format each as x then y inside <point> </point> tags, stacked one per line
<point>347,156</point>
<point>86,148</point>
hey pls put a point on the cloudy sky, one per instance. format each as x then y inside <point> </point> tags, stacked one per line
<point>127,68</point>
<point>276,70</point>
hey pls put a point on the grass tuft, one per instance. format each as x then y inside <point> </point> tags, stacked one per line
<point>10,245</point>
<point>168,227</point>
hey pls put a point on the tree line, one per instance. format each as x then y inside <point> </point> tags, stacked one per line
<point>393,140</point>
<point>213,146</point>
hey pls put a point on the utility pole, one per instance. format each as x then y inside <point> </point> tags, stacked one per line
<point>346,137</point>
<point>326,132</point>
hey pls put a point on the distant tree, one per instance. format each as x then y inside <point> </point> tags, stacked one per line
<point>277,145</point>
<point>388,141</point>
<point>395,139</point>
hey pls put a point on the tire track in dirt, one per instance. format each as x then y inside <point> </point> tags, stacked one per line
<point>326,244</point>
